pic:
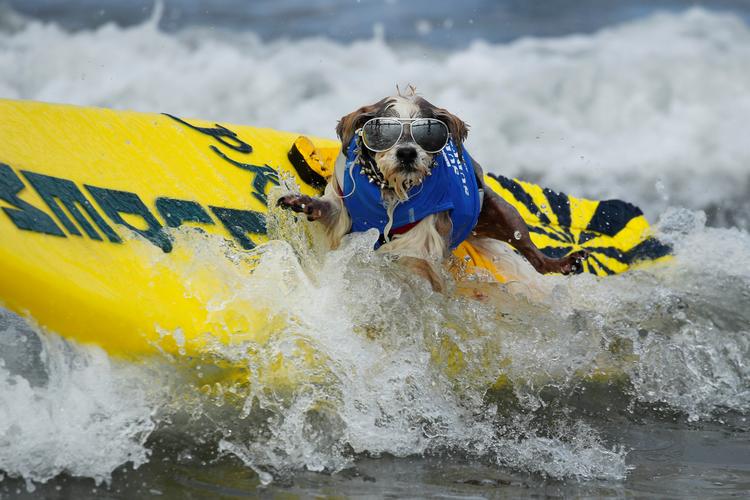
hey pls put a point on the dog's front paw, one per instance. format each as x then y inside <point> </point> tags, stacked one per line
<point>314,208</point>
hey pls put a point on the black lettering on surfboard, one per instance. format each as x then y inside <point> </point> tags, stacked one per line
<point>175,212</point>
<point>264,175</point>
<point>24,215</point>
<point>241,222</point>
<point>57,193</point>
<point>54,190</point>
<point>222,134</point>
<point>114,203</point>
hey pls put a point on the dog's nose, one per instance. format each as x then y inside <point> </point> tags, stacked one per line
<point>406,154</point>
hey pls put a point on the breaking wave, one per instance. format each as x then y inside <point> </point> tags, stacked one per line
<point>382,365</point>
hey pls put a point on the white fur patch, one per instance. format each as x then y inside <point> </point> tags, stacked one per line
<point>404,107</point>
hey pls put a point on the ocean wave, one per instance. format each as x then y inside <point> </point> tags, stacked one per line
<point>377,364</point>
<point>66,408</point>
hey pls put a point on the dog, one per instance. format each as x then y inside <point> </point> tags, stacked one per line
<point>404,171</point>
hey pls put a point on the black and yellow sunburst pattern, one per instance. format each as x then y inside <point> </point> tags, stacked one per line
<point>615,233</point>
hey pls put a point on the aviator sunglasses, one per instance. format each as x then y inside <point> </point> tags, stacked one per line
<point>381,134</point>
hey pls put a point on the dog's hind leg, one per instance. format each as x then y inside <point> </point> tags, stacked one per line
<point>501,221</point>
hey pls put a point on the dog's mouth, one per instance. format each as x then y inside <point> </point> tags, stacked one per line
<point>408,167</point>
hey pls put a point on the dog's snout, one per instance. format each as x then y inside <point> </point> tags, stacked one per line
<point>406,154</point>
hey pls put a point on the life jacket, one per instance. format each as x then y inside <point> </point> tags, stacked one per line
<point>452,187</point>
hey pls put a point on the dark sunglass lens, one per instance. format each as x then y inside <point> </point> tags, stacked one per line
<point>380,135</point>
<point>430,134</point>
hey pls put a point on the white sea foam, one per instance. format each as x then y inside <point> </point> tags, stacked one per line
<point>380,380</point>
<point>385,366</point>
<point>66,408</point>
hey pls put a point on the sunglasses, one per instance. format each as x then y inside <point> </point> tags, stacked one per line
<point>381,134</point>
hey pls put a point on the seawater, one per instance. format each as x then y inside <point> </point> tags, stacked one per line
<point>651,111</point>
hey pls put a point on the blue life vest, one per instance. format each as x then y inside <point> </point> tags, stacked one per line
<point>452,186</point>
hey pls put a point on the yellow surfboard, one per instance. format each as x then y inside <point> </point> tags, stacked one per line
<point>87,194</point>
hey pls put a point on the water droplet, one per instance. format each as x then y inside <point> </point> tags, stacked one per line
<point>264,477</point>
<point>517,235</point>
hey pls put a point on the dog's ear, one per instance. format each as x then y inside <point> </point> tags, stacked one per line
<point>349,124</point>
<point>456,126</point>
<point>458,129</point>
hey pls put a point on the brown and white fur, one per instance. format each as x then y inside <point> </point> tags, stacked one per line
<point>427,245</point>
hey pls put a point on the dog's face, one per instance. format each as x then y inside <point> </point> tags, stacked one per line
<point>406,163</point>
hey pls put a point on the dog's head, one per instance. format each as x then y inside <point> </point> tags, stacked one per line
<point>406,163</point>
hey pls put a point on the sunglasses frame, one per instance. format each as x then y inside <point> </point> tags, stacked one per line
<point>401,122</point>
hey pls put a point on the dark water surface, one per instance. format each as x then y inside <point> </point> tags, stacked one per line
<point>445,24</point>
<point>668,460</point>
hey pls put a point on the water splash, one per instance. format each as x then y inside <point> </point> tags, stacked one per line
<point>376,364</point>
<point>68,409</point>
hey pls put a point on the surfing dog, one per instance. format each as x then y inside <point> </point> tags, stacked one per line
<point>404,171</point>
